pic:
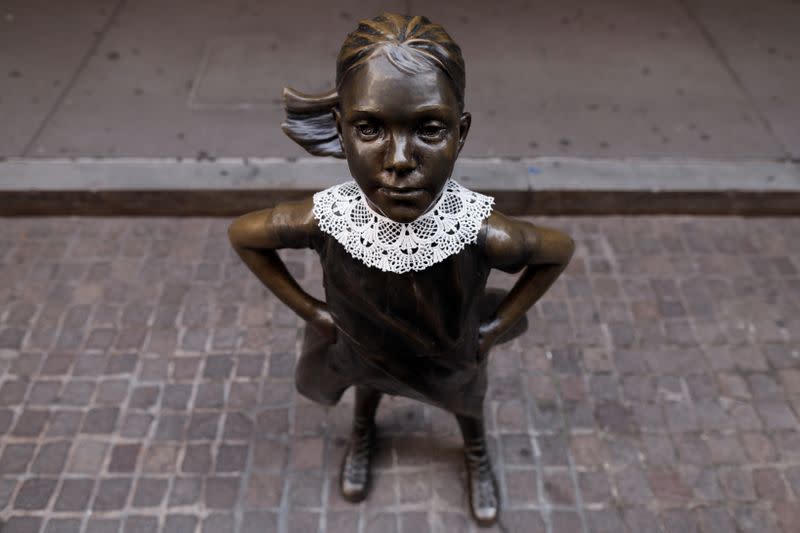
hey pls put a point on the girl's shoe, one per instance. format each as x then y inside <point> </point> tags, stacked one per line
<point>356,465</point>
<point>484,500</point>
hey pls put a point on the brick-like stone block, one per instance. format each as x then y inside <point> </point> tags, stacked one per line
<point>668,486</point>
<point>176,396</point>
<point>112,494</point>
<point>769,484</point>
<point>87,457</point>
<point>306,489</point>
<point>558,488</point>
<point>51,457</point>
<point>258,521</point>
<point>218,367</point>
<point>140,524</point>
<point>231,458</point>
<point>78,392</point>
<point>63,525</point>
<point>144,397</point>
<point>517,449</point>
<point>264,490</point>
<point>100,420</point>
<point>521,487</point>
<point>149,492</point>
<point>238,426</point>
<point>16,457</point>
<point>203,426</point>
<point>269,454</point>
<point>23,524</point>
<point>30,423</point>
<point>35,494</point>
<point>160,458</point>
<point>197,459</point>
<point>124,458</point>
<point>136,425</point>
<point>737,484</point>
<point>180,523</point>
<point>170,427</point>
<point>185,491</point>
<point>221,492</point>
<point>632,485</point>
<point>307,453</point>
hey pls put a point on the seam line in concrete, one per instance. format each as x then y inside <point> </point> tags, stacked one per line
<point>725,62</point>
<point>545,173</point>
<point>90,52</point>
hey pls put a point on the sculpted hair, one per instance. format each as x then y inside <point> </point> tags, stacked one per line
<point>412,44</point>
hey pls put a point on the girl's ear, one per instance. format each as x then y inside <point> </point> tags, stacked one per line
<point>463,129</point>
<point>337,116</point>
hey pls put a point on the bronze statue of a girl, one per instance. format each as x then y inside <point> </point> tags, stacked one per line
<point>405,250</point>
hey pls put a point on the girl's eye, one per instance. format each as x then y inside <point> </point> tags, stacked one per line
<point>367,130</point>
<point>433,132</point>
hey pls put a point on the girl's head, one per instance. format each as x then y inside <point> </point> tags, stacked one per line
<point>412,44</point>
<point>396,113</point>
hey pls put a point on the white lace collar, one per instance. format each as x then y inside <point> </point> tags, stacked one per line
<point>379,242</point>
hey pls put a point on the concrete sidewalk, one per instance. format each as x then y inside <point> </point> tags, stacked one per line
<point>714,82</point>
<point>708,79</point>
<point>146,386</point>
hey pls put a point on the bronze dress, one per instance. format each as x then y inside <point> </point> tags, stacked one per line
<point>412,334</point>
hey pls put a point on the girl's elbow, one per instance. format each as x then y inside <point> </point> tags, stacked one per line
<point>569,249</point>
<point>235,231</point>
<point>555,247</point>
<point>253,231</point>
<point>243,232</point>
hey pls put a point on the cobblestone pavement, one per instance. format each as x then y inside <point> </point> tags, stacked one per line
<point>146,384</point>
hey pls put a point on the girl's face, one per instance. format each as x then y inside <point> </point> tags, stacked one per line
<point>401,135</point>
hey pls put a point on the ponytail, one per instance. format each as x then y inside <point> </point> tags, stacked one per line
<point>310,123</point>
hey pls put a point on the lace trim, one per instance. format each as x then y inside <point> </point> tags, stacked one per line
<point>379,242</point>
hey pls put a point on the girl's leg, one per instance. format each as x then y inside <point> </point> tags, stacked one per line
<point>484,498</point>
<point>356,464</point>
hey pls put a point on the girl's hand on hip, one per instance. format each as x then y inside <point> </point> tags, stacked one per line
<point>488,333</point>
<point>322,321</point>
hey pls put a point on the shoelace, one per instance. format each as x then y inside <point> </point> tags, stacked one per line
<point>478,459</point>
<point>356,467</point>
<point>481,473</point>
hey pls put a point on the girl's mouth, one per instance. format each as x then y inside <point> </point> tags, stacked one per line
<point>404,193</point>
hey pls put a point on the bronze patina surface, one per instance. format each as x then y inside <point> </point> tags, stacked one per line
<point>397,116</point>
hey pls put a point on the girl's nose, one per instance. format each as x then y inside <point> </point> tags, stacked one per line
<point>398,154</point>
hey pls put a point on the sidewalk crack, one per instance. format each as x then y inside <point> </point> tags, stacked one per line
<point>726,64</point>
<point>90,52</point>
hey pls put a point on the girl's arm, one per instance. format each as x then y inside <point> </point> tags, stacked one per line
<point>256,237</point>
<point>514,244</point>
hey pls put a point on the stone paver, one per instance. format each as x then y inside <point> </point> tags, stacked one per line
<point>146,385</point>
